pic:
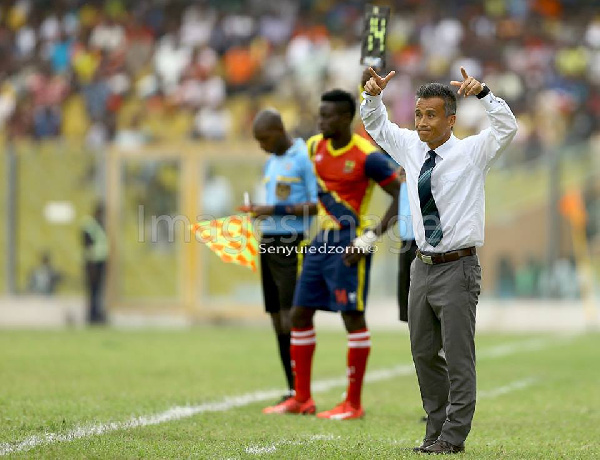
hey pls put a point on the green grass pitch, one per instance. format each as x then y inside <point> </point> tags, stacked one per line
<point>106,393</point>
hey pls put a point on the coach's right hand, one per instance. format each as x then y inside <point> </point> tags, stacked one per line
<point>377,84</point>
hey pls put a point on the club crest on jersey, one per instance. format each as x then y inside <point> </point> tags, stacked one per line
<point>349,166</point>
<point>283,190</point>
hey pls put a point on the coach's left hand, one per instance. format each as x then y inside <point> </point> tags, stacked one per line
<point>469,86</point>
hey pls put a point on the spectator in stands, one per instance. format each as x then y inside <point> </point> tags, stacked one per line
<point>96,95</point>
<point>134,136</point>
<point>170,60</point>
<point>46,122</point>
<point>212,123</point>
<point>60,54</point>
<point>20,123</point>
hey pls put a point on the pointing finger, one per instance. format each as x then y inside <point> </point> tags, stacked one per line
<point>373,73</point>
<point>389,76</point>
<point>464,72</point>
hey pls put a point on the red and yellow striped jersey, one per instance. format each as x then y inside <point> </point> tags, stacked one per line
<point>345,178</point>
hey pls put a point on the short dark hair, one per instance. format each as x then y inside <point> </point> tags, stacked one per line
<point>341,97</point>
<point>444,92</point>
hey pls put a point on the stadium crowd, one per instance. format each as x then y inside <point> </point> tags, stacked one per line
<point>103,70</point>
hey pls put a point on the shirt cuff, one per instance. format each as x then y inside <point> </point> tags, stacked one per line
<point>490,102</point>
<point>371,101</point>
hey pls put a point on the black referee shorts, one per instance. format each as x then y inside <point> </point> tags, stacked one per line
<point>279,266</point>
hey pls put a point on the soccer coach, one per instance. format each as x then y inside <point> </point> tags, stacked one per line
<point>445,178</point>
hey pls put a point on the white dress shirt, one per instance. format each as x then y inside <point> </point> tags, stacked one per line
<point>461,165</point>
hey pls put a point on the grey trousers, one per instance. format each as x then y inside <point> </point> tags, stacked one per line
<point>441,320</point>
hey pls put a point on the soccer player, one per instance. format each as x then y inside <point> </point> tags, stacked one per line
<point>335,273</point>
<point>291,189</point>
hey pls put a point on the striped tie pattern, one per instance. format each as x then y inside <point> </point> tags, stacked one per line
<point>429,210</point>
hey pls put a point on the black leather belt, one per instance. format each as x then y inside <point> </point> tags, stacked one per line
<point>434,259</point>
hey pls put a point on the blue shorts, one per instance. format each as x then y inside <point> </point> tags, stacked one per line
<point>325,283</point>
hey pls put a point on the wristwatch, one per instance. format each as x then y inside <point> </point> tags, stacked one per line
<point>484,92</point>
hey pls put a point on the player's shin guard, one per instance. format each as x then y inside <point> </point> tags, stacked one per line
<point>302,348</point>
<point>359,346</point>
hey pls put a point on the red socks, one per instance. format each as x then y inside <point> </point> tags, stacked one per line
<point>359,346</point>
<point>303,343</point>
<point>302,348</point>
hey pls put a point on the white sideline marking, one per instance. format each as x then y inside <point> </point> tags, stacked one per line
<point>260,450</point>
<point>180,412</point>
<point>263,450</point>
<point>511,348</point>
<point>513,386</point>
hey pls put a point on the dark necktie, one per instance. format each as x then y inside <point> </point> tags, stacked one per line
<point>429,210</point>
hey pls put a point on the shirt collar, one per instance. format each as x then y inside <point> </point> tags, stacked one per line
<point>292,150</point>
<point>443,149</point>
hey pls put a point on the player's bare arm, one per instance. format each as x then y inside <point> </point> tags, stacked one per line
<point>353,252</point>
<point>298,209</point>
<point>390,216</point>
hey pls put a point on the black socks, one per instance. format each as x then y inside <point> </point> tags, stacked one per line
<point>284,353</point>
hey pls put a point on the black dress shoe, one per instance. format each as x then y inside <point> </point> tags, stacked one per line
<point>426,443</point>
<point>443,447</point>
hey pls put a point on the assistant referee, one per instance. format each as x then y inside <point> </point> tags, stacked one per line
<point>291,194</point>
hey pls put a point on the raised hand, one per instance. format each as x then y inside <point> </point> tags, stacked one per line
<point>376,83</point>
<point>469,86</point>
